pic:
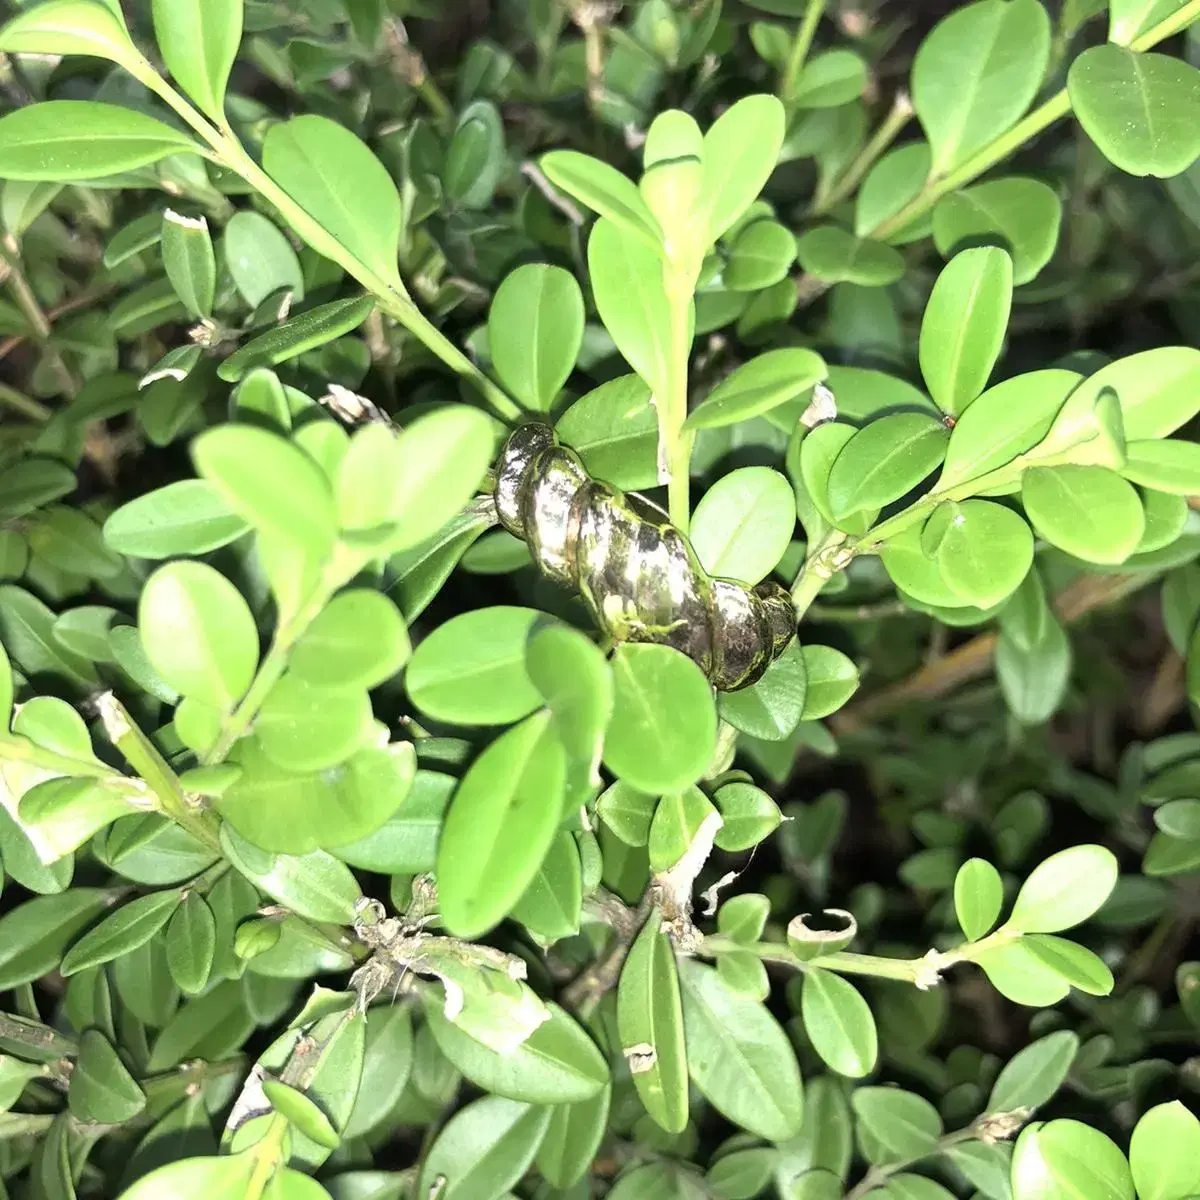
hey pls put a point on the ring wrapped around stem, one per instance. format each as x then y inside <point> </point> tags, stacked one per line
<point>637,574</point>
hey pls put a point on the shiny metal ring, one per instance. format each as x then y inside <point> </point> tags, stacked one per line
<point>637,574</point>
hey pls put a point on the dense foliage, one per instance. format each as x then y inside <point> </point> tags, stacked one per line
<point>354,847</point>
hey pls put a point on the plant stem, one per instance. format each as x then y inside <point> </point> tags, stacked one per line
<point>923,972</point>
<point>36,1040</point>
<point>675,443</point>
<point>877,1176</point>
<point>818,569</point>
<point>25,405</point>
<point>801,44</point>
<point>287,633</point>
<point>898,116</point>
<point>143,756</point>
<point>31,310</point>
<point>392,295</point>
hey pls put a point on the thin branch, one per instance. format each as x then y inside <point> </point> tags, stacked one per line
<point>974,659</point>
<point>535,175</point>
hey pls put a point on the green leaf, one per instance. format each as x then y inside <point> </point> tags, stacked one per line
<point>978,896</point>
<point>199,41</point>
<point>387,1068</point>
<point>441,459</point>
<point>744,523</point>
<point>1064,890</point>
<point>1076,964</point>
<point>749,814</point>
<point>614,431</point>
<point>406,843</point>
<point>901,1125</point>
<point>535,330</point>
<point>1179,818</point>
<point>650,1022</point>
<point>293,811</point>
<point>304,728</point>
<point>551,906</point>
<point>627,286</point>
<point>27,631</point>
<point>270,482</point>
<point>575,682</point>
<point>191,944</point>
<point>303,332</point>
<point>509,803</point>
<point>71,27</point>
<point>1166,466</point>
<point>190,261</point>
<point>558,1063</point>
<point>1164,1153</point>
<point>81,139</point>
<point>475,157</point>
<point>985,553</point>
<point>31,482</point>
<point>677,823</point>
<point>744,917</point>
<point>834,255</point>
<point>314,885</point>
<point>71,541</point>
<point>741,149</point>
<point>196,1177</point>
<point>187,517</point>
<point>357,641</point>
<point>1067,1158</point>
<point>123,931</point>
<point>976,73</point>
<point>260,259</point>
<point>1128,18</point>
<point>471,670</point>
<point>198,633</point>
<point>336,179</point>
<point>765,382</point>
<point>34,935</point>
<point>1090,512</point>
<point>1142,110</point>
<point>302,1113</point>
<point>915,1187</point>
<point>832,680</point>
<point>102,1089</point>
<point>1008,419</point>
<point>965,320</point>
<point>627,812</point>
<point>884,460</point>
<point>1034,1075</point>
<point>663,729</point>
<point>1034,678</point>
<point>829,79</point>
<point>761,255</point>
<point>484,1149</point>
<point>133,239</point>
<point>839,1023</point>
<point>739,1057</point>
<point>1159,390</point>
<point>605,191</point>
<point>895,180</point>
<point>772,707</point>
<point>572,1139</point>
<point>1019,215</point>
